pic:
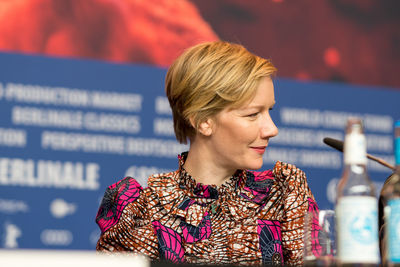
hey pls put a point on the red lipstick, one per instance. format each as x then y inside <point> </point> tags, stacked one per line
<point>259,149</point>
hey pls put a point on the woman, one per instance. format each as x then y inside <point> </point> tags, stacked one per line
<point>213,210</point>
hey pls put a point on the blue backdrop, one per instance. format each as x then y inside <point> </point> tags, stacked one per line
<point>70,128</point>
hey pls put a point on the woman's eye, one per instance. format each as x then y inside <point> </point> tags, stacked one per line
<point>252,114</point>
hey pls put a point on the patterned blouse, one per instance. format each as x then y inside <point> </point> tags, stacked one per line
<point>254,218</point>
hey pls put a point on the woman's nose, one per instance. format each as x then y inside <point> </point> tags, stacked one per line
<point>268,128</point>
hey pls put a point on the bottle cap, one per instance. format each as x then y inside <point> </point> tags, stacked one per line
<point>355,143</point>
<point>397,142</point>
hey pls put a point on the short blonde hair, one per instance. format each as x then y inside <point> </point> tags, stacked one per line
<point>208,78</point>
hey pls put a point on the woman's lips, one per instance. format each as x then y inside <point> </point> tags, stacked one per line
<point>259,149</point>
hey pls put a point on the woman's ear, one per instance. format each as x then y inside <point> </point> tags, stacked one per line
<point>206,127</point>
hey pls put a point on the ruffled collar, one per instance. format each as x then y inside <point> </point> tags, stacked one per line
<point>182,196</point>
<point>198,190</point>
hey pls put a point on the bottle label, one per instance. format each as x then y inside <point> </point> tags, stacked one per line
<point>357,229</point>
<point>393,228</point>
<point>355,149</point>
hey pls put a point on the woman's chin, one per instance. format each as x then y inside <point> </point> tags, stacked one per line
<point>255,165</point>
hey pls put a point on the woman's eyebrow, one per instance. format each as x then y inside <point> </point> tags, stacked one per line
<point>258,106</point>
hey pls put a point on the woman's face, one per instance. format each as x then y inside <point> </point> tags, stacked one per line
<point>240,136</point>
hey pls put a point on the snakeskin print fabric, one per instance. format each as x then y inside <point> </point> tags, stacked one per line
<point>254,218</point>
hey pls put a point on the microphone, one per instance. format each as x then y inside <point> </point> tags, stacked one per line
<point>337,144</point>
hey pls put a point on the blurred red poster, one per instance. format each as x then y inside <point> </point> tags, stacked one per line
<point>150,32</point>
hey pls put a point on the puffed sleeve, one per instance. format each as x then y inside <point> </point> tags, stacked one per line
<point>123,220</point>
<point>297,201</point>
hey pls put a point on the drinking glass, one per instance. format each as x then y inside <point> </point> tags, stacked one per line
<point>319,238</point>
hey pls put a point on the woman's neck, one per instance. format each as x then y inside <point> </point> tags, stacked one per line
<point>201,165</point>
